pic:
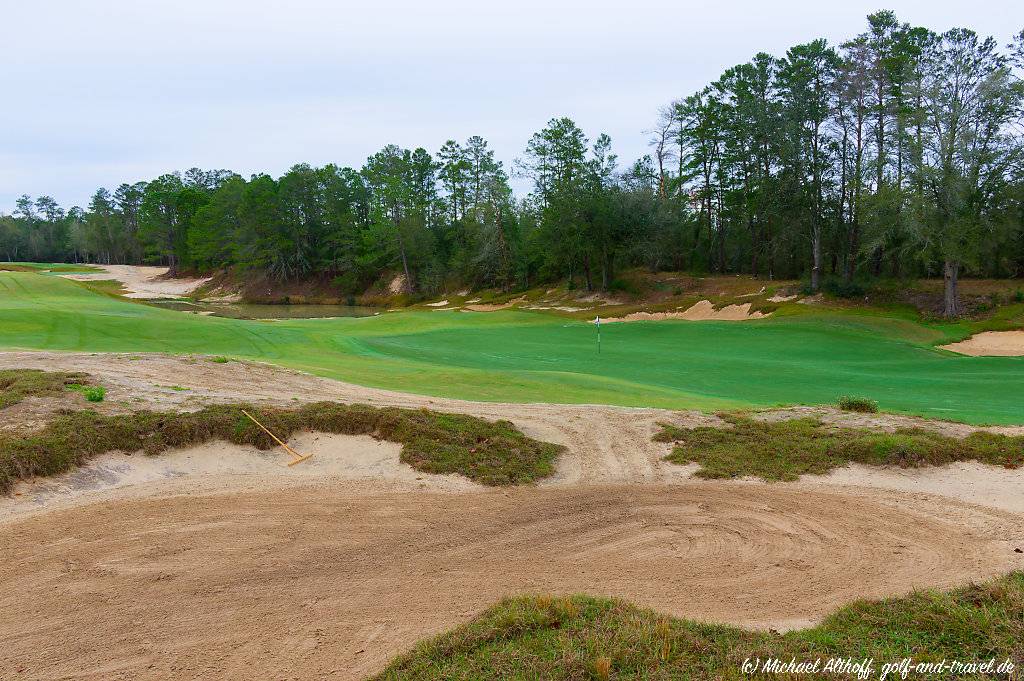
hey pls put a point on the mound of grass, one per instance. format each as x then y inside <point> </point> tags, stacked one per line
<point>861,404</point>
<point>597,638</point>
<point>785,450</point>
<point>491,453</point>
<point>17,384</point>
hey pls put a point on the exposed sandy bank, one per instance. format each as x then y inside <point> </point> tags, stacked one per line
<point>701,311</point>
<point>991,343</point>
<point>143,281</point>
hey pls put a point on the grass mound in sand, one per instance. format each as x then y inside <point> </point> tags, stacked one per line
<point>17,384</point>
<point>491,453</point>
<point>785,450</point>
<point>596,638</point>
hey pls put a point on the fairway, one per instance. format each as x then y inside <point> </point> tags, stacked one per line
<point>514,356</point>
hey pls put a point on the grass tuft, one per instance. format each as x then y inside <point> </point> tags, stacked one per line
<point>861,404</point>
<point>92,393</point>
<point>17,384</point>
<point>532,638</point>
<point>490,453</point>
<point>785,450</point>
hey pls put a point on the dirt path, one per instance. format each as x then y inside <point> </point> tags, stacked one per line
<point>218,561</point>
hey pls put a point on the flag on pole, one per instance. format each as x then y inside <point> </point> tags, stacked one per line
<point>598,321</point>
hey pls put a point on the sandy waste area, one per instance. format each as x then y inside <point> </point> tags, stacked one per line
<point>219,561</point>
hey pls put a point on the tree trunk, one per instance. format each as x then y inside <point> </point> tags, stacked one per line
<point>816,267</point>
<point>951,299</point>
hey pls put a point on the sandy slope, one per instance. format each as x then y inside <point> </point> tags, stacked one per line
<point>991,344</point>
<point>218,561</point>
<point>143,281</point>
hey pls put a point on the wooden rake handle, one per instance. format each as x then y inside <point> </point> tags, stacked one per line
<point>298,457</point>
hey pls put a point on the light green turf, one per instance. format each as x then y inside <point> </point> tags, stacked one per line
<point>532,357</point>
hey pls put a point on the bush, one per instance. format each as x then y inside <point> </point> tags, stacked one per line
<point>93,393</point>
<point>1018,296</point>
<point>623,286</point>
<point>861,404</point>
<point>844,289</point>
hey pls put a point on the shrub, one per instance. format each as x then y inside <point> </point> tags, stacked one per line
<point>861,404</point>
<point>93,393</point>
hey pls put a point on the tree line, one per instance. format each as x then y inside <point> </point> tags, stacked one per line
<point>897,153</point>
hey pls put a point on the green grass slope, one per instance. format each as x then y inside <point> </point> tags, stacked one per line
<point>596,638</point>
<point>811,357</point>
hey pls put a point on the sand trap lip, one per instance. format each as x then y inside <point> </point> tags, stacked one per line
<point>142,281</point>
<point>336,457</point>
<point>990,344</point>
<point>698,312</point>
<point>328,581</point>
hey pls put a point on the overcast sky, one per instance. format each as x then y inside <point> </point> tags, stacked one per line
<point>97,92</point>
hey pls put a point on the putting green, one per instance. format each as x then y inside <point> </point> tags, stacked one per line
<point>514,356</point>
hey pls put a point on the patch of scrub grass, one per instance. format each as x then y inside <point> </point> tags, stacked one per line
<point>17,384</point>
<point>859,404</point>
<point>490,453</point>
<point>579,637</point>
<point>785,450</point>
<point>93,393</point>
<point>219,360</point>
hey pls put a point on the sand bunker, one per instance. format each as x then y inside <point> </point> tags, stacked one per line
<point>218,560</point>
<point>326,581</point>
<point>143,281</point>
<point>991,344</point>
<point>484,307</point>
<point>779,298</point>
<point>702,311</point>
<point>440,303</point>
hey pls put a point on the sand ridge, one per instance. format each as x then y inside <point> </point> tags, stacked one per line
<point>703,310</point>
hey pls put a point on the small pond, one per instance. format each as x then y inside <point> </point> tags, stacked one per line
<point>263,311</point>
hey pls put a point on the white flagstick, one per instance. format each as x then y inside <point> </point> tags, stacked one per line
<point>599,334</point>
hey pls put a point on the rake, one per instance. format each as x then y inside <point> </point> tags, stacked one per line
<point>297,458</point>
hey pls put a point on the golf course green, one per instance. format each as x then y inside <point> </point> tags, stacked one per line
<point>809,357</point>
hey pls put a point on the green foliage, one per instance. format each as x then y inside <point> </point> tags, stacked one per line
<point>491,453</point>
<point>17,384</point>
<point>580,637</point>
<point>219,360</point>
<point>92,393</point>
<point>854,403</point>
<point>844,289</point>
<point>787,449</point>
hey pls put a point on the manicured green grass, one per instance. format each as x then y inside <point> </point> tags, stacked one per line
<point>785,450</point>
<point>596,638</point>
<point>798,356</point>
<point>491,453</point>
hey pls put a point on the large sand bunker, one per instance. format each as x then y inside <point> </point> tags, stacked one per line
<point>143,281</point>
<point>991,344</point>
<point>220,561</point>
<point>329,581</point>
<point>701,311</point>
